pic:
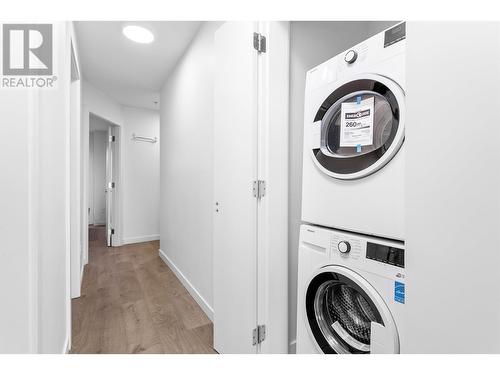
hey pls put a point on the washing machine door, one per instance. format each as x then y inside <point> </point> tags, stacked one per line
<point>360,126</point>
<point>346,315</point>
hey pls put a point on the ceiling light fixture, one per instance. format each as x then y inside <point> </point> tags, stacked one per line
<point>138,34</point>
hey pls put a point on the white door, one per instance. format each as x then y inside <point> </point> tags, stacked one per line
<point>235,207</point>
<point>110,185</point>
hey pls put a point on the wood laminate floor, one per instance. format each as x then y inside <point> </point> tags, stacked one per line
<point>132,302</point>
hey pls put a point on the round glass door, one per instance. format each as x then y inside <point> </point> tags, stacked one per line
<point>361,127</point>
<point>340,314</point>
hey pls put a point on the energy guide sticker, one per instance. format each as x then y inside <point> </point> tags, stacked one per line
<point>356,128</point>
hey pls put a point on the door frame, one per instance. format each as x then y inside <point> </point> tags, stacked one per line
<point>117,171</point>
<point>75,173</point>
<point>273,145</point>
<point>112,175</point>
<point>75,243</point>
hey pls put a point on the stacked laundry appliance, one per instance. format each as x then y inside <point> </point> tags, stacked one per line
<point>351,280</point>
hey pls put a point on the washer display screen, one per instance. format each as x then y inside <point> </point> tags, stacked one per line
<point>385,254</point>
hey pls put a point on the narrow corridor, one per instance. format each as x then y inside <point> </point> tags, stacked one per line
<point>131,302</point>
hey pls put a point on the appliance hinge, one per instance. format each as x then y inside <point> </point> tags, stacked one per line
<point>259,42</point>
<point>258,334</point>
<point>259,188</point>
<point>111,185</point>
<point>113,231</point>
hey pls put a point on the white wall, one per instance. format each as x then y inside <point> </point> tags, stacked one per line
<point>452,187</point>
<point>186,128</point>
<point>15,246</point>
<point>141,176</point>
<point>311,44</point>
<point>100,104</point>
<point>34,228</point>
<point>54,231</point>
<point>98,145</point>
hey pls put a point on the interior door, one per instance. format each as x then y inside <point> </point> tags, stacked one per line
<point>110,186</point>
<point>235,207</point>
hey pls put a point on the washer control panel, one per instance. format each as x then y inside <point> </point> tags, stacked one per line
<point>346,247</point>
<point>350,56</point>
<point>373,254</point>
<point>385,254</point>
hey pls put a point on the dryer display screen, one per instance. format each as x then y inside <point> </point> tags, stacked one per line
<point>385,254</point>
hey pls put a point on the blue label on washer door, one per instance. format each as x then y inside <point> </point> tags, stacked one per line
<point>399,292</point>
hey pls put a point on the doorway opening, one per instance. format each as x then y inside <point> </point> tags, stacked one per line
<point>104,174</point>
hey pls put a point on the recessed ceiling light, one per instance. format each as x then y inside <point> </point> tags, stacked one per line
<point>138,34</point>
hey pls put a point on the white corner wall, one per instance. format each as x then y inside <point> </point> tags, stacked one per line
<point>141,176</point>
<point>311,44</point>
<point>186,128</point>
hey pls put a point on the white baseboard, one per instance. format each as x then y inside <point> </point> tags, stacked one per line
<point>66,347</point>
<point>292,347</point>
<point>207,309</point>
<point>129,240</point>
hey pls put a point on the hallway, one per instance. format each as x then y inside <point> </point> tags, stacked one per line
<point>132,302</point>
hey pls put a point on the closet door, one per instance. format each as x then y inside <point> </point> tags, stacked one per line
<point>235,207</point>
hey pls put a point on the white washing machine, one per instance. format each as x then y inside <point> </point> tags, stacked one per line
<point>351,293</point>
<point>354,120</point>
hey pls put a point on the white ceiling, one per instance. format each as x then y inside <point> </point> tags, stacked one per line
<point>130,72</point>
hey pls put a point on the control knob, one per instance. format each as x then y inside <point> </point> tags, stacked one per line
<point>350,56</point>
<point>344,247</point>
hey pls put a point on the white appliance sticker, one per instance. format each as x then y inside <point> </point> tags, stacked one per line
<point>356,127</point>
<point>316,135</point>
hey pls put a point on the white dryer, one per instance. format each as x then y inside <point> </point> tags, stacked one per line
<point>351,293</point>
<point>354,121</point>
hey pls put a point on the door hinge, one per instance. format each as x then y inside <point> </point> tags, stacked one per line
<point>259,188</point>
<point>111,185</point>
<point>258,334</point>
<point>112,138</point>
<point>259,42</point>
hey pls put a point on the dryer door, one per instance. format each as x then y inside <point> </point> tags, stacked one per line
<point>361,127</point>
<point>346,315</point>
